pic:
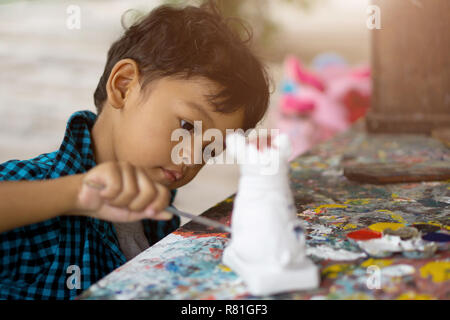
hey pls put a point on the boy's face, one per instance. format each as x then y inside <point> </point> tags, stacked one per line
<point>142,125</point>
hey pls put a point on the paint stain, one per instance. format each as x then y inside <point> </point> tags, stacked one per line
<point>398,270</point>
<point>159,265</point>
<point>436,237</point>
<point>325,206</point>
<point>381,226</point>
<point>426,227</point>
<point>224,268</point>
<point>414,296</point>
<point>350,226</point>
<point>320,165</point>
<point>381,263</point>
<point>393,215</point>
<point>327,253</point>
<point>404,233</point>
<point>438,270</point>
<point>294,165</point>
<point>435,223</point>
<point>171,266</point>
<point>334,270</point>
<point>357,202</point>
<point>182,288</point>
<point>432,203</point>
<point>216,252</point>
<point>358,296</point>
<point>199,235</point>
<point>364,234</point>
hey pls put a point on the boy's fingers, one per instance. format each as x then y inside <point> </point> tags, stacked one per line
<point>94,185</point>
<point>133,195</point>
<point>130,189</point>
<point>132,216</point>
<point>108,180</point>
<point>147,192</point>
<point>116,214</point>
<point>88,200</point>
<point>161,202</point>
<point>163,215</point>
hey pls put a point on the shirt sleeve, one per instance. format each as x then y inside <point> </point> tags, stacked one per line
<point>31,169</point>
<point>21,170</point>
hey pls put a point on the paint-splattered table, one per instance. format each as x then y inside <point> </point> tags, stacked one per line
<point>187,263</point>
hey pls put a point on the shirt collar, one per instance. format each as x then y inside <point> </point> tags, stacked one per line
<point>75,154</point>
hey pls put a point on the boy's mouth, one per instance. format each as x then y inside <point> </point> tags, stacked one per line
<point>171,175</point>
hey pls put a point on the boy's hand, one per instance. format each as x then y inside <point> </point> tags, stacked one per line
<point>120,192</point>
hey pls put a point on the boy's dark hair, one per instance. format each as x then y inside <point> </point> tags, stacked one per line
<point>194,41</point>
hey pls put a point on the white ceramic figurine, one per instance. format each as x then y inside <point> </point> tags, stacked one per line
<point>267,246</point>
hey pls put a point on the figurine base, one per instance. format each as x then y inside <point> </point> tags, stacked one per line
<point>263,280</point>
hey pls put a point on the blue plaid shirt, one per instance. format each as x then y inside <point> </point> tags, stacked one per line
<point>35,259</point>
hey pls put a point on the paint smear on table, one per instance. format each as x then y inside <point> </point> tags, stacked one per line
<point>325,252</point>
<point>390,244</point>
<point>438,270</point>
<point>398,270</point>
<point>187,264</point>
<point>381,226</point>
<point>364,234</point>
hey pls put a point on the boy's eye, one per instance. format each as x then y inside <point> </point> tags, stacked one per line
<point>208,151</point>
<point>186,125</point>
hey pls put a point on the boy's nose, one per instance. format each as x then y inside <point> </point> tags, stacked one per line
<point>188,158</point>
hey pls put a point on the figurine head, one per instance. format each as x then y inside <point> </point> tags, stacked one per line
<point>259,153</point>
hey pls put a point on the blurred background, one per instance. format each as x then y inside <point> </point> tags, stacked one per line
<point>316,51</point>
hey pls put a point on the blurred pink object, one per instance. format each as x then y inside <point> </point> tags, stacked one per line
<point>293,105</point>
<point>317,105</point>
<point>352,88</point>
<point>307,127</point>
<point>296,72</point>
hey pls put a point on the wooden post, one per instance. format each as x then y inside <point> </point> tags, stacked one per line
<point>411,67</point>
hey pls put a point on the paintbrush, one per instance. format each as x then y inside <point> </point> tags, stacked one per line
<point>172,210</point>
<point>199,219</point>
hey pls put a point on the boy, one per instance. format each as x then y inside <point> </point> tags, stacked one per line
<point>99,200</point>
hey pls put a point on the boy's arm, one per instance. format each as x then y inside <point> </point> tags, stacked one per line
<point>28,202</point>
<point>126,194</point>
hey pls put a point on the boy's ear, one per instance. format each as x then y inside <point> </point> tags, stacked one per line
<point>123,76</point>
